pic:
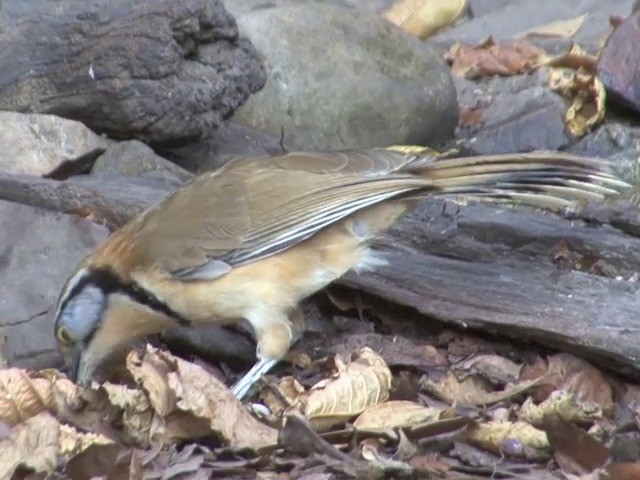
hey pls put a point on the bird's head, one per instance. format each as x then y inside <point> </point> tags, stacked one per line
<point>96,315</point>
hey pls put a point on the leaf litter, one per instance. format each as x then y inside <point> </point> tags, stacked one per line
<point>572,74</point>
<point>473,412</point>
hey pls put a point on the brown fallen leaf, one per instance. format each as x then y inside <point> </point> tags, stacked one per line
<point>32,444</point>
<point>190,403</point>
<point>281,397</point>
<point>623,471</point>
<point>560,28</point>
<point>396,413</point>
<point>490,58</point>
<point>424,18</point>
<point>40,442</point>
<point>575,451</point>
<point>473,390</point>
<point>24,395</point>
<point>494,436</point>
<point>496,369</point>
<point>564,371</point>
<point>357,385</point>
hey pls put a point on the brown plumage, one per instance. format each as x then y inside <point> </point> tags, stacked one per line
<point>251,240</point>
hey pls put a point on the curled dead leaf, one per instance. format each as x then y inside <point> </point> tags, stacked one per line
<point>496,369</point>
<point>494,436</point>
<point>72,442</point>
<point>574,450</point>
<point>24,395</point>
<point>424,18</point>
<point>32,444</point>
<point>396,413</point>
<point>40,442</point>
<point>567,372</point>
<point>363,382</point>
<point>189,403</point>
<point>288,393</point>
<point>473,390</point>
<point>562,404</point>
<point>573,76</point>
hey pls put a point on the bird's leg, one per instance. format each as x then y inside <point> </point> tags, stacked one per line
<point>259,369</point>
<point>274,334</point>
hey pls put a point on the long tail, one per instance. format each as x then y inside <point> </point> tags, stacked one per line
<point>548,180</point>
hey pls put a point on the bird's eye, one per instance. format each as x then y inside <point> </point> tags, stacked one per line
<point>64,336</point>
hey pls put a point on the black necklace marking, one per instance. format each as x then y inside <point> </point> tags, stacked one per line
<point>107,281</point>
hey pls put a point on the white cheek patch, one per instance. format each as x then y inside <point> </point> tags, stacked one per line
<point>71,284</point>
<point>82,313</point>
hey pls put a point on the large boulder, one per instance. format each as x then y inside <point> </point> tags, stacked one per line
<point>342,77</point>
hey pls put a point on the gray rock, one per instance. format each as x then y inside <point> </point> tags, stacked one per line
<point>503,20</point>
<point>38,249</point>
<point>162,71</point>
<point>229,141</point>
<point>39,144</point>
<point>135,159</point>
<point>519,114</point>
<point>619,63</point>
<point>376,6</point>
<point>342,78</point>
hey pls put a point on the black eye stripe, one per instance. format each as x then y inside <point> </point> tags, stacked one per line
<point>108,282</point>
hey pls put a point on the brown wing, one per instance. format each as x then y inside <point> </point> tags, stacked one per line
<point>253,208</point>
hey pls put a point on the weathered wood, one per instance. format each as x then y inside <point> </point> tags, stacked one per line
<point>566,283</point>
<point>107,201</point>
<point>164,71</point>
<point>493,269</point>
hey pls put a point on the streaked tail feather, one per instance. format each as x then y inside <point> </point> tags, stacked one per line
<point>547,180</point>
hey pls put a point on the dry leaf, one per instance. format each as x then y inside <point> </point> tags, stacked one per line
<point>72,442</point>
<point>573,76</point>
<point>562,404</point>
<point>494,368</point>
<point>473,390</point>
<point>32,444</point>
<point>190,403</point>
<point>23,395</point>
<point>492,436</point>
<point>424,18</point>
<point>560,28</point>
<point>490,58</point>
<point>139,420</point>
<point>470,391</point>
<point>396,413</point>
<point>623,471</point>
<point>289,393</point>
<point>363,382</point>
<point>564,371</point>
<point>574,450</point>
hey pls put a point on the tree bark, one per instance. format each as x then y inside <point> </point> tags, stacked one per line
<point>165,72</point>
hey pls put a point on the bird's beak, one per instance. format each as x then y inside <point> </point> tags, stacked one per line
<point>74,364</point>
<point>81,365</point>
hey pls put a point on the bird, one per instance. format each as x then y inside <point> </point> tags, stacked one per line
<point>249,241</point>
